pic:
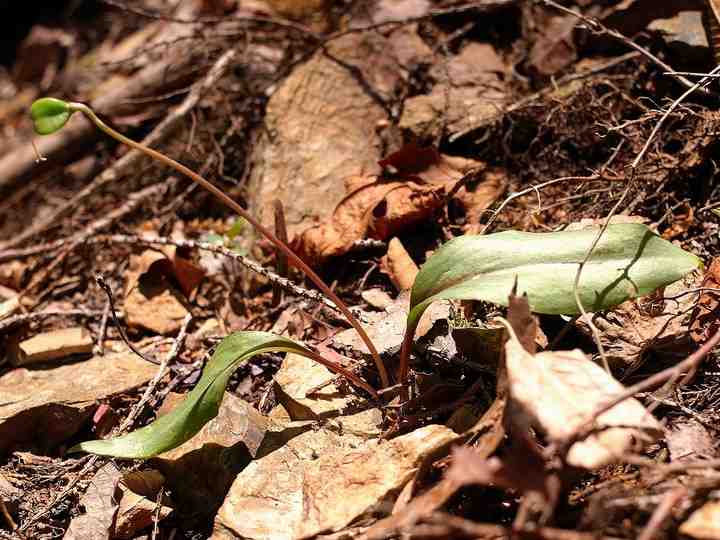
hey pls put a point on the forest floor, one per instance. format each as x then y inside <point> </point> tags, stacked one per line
<point>368,133</point>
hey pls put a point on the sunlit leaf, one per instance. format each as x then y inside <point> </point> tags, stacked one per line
<point>200,406</point>
<point>49,115</point>
<point>629,261</point>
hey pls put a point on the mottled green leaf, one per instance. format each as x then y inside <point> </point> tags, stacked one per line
<point>200,406</point>
<point>629,261</point>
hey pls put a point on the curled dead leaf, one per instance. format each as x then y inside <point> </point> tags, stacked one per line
<point>560,390</point>
<point>416,184</point>
<point>399,266</point>
<point>377,209</point>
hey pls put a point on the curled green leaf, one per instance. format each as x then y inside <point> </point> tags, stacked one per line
<point>49,115</point>
<point>200,405</point>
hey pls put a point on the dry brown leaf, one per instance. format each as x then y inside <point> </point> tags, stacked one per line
<point>386,330</point>
<point>152,299</point>
<point>685,32</point>
<point>470,94</point>
<point>703,523</point>
<point>522,468</point>
<point>657,324</point>
<point>680,222</point>
<point>377,209</point>
<point>554,48</point>
<point>399,266</point>
<point>419,507</point>
<point>487,434</point>
<point>560,390</point>
<point>382,207</point>
<point>100,504</point>
<point>47,406</point>
<point>168,263</point>
<point>478,195</point>
<point>314,139</point>
<point>705,318</point>
<point>139,503</point>
<point>475,64</point>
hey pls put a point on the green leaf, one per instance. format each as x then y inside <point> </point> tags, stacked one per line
<point>49,115</point>
<point>200,406</point>
<point>629,261</point>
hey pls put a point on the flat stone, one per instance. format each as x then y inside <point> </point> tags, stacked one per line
<point>45,407</point>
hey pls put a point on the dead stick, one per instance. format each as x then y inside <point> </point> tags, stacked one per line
<point>100,280</point>
<point>39,315</point>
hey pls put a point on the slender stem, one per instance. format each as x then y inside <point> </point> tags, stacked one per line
<point>405,362</point>
<point>227,201</point>
<point>349,375</point>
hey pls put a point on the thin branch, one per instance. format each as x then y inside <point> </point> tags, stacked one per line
<point>90,465</point>
<point>661,513</point>
<point>536,188</point>
<point>702,82</point>
<point>248,263</point>
<point>161,372</point>
<point>106,289</point>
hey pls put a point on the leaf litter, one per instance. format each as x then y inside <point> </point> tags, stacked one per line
<point>319,457</point>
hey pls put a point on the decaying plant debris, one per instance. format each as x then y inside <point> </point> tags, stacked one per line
<point>380,130</point>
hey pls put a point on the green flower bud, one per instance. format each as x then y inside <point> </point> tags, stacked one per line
<point>49,115</point>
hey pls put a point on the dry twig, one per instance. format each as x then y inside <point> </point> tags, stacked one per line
<point>661,513</point>
<point>161,372</point>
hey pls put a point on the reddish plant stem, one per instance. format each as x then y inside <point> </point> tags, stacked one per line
<point>227,201</point>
